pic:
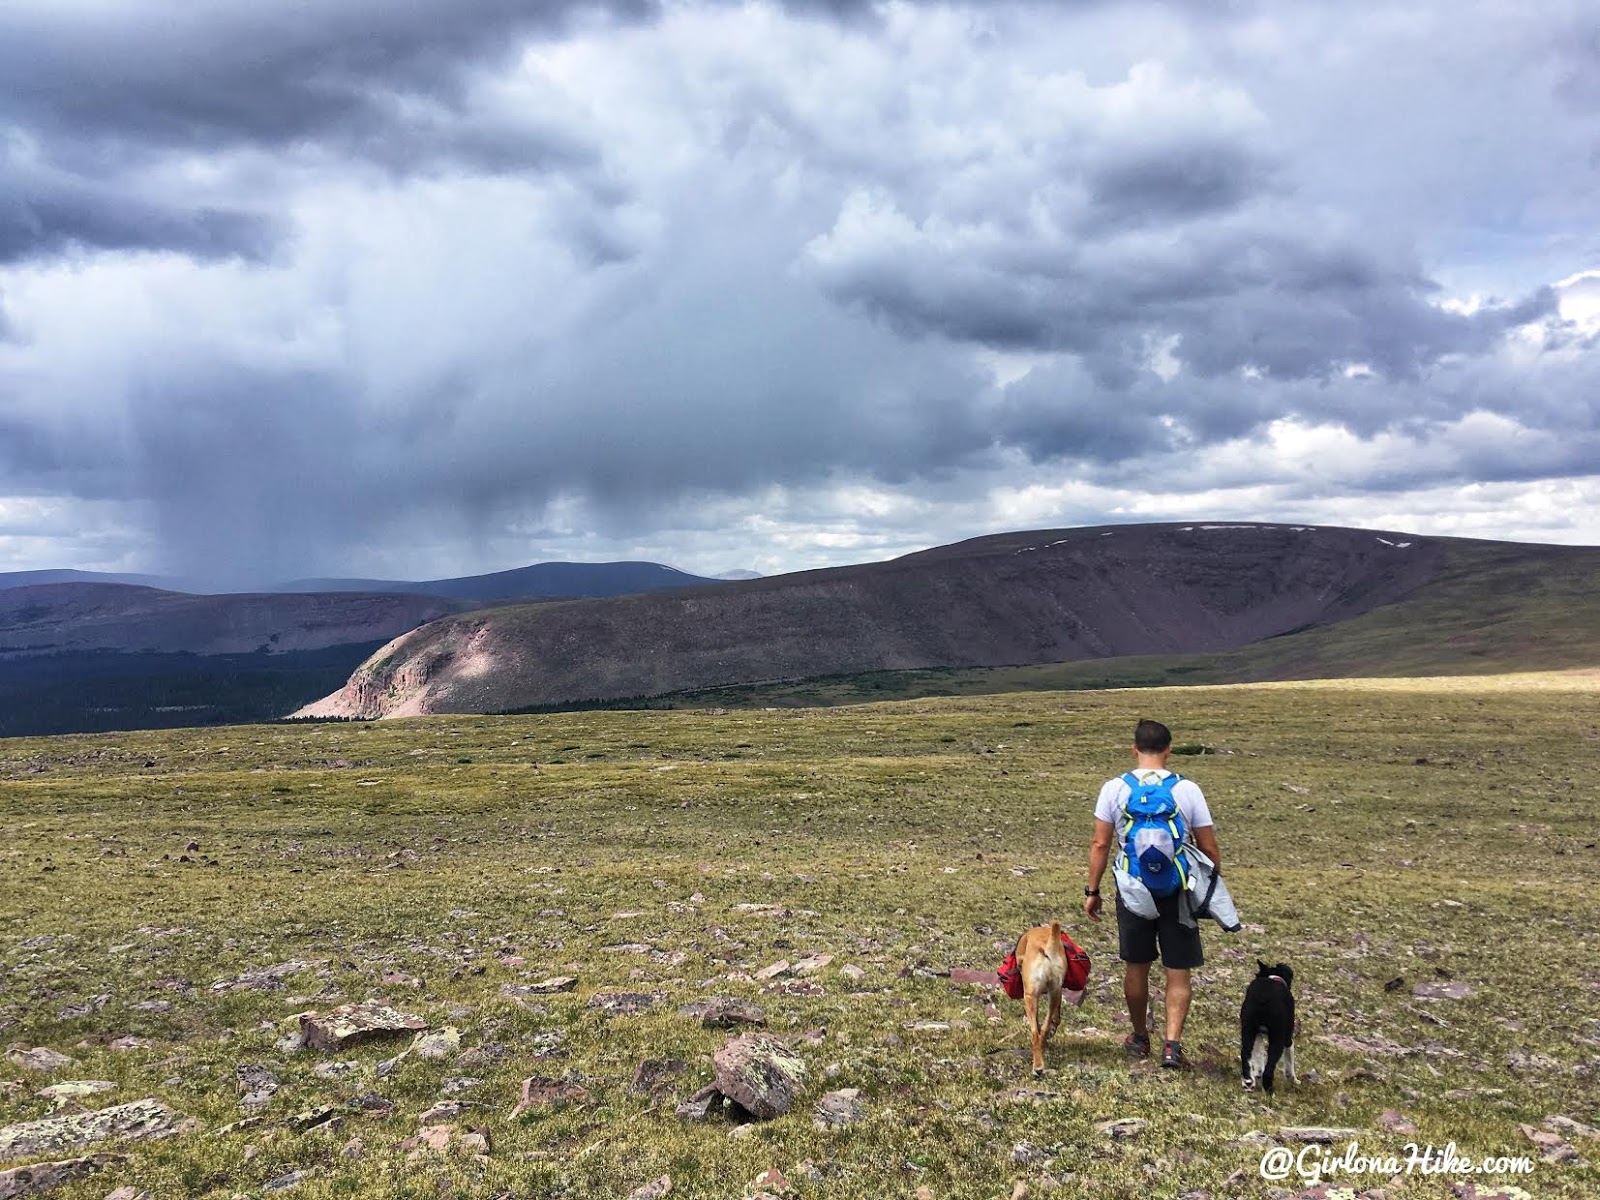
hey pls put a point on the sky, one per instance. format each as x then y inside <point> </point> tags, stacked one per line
<point>410,290</point>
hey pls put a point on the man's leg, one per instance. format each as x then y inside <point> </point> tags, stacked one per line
<point>1177,1002</point>
<point>1136,990</point>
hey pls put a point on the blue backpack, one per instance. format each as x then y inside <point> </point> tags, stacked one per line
<point>1153,833</point>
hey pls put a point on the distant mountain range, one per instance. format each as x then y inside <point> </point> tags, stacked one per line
<point>16,579</point>
<point>1156,591</point>
<point>541,581</point>
<point>82,650</point>
<point>549,581</point>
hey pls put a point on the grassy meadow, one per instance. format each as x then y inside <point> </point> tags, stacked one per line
<point>1371,834</point>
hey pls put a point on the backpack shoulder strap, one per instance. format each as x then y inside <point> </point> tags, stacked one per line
<point>1131,780</point>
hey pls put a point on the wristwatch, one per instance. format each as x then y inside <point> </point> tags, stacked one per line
<point>1089,891</point>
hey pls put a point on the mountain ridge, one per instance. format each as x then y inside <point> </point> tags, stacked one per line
<point>1019,598</point>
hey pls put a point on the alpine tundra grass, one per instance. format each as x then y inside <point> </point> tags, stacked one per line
<point>1377,839</point>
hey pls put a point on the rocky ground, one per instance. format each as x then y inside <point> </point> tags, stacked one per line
<point>741,955</point>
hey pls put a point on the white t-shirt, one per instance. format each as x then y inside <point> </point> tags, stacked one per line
<point>1190,799</point>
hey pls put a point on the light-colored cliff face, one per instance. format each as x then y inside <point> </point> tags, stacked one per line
<point>407,676</point>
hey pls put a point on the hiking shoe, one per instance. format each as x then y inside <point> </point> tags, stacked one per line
<point>1136,1045</point>
<point>1172,1056</point>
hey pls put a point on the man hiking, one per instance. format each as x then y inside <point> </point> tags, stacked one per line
<point>1143,818</point>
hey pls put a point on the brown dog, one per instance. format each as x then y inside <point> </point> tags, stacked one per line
<point>1044,967</point>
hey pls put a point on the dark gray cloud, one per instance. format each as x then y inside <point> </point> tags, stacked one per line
<point>199,74</point>
<point>46,212</point>
<point>538,278</point>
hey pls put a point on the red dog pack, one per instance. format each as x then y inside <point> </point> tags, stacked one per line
<point>1077,975</point>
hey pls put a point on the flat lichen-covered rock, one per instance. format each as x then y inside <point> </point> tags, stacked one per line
<point>140,1121</point>
<point>47,1176</point>
<point>351,1024</point>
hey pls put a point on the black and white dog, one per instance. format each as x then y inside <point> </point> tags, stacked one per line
<point>1266,1027</point>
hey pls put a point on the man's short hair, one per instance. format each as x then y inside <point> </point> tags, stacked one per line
<point>1151,737</point>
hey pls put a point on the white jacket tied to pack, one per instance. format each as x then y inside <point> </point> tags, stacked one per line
<point>1205,896</point>
<point>1158,858</point>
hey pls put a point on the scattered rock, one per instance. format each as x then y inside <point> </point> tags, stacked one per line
<point>434,1139</point>
<point>441,1043</point>
<point>1374,1045</point>
<point>1323,1135</point>
<point>311,1118</point>
<point>1393,1122</point>
<point>838,1109</point>
<point>256,1084</point>
<point>481,1056</point>
<point>1026,1154</point>
<point>46,1176</point>
<point>1519,1060</point>
<point>1024,1095</point>
<point>968,975</point>
<point>654,1076</point>
<point>1504,1191</point>
<point>628,948</point>
<point>92,1005</point>
<point>852,972</point>
<point>549,1044</point>
<point>1564,1124</point>
<point>1552,1147</point>
<point>1439,990</point>
<point>61,1094</point>
<point>335,1070</point>
<point>772,970</point>
<point>624,1003</point>
<point>771,1184</point>
<point>284,1182</point>
<point>760,1074</point>
<point>143,1120</point>
<point>128,1193</point>
<point>653,1190</point>
<point>266,979</point>
<point>724,1012</point>
<point>354,1150</point>
<point>1120,1129</point>
<point>371,1102</point>
<point>553,985</point>
<point>129,1043</point>
<point>698,1106</point>
<point>444,1110</point>
<point>538,1092</point>
<point>40,1058</point>
<point>812,964</point>
<point>351,1024</point>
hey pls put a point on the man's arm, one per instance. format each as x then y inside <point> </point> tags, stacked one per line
<point>1206,838</point>
<point>1099,855</point>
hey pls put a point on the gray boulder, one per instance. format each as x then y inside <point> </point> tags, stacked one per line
<point>760,1074</point>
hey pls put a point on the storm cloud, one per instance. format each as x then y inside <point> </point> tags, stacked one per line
<point>364,288</point>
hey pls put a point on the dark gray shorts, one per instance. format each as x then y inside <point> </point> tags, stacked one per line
<point>1139,937</point>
